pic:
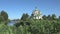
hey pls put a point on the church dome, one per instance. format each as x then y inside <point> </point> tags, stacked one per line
<point>36,11</point>
<point>36,14</point>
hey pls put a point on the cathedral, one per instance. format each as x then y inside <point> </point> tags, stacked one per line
<point>36,14</point>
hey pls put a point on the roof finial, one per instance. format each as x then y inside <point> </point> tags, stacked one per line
<point>36,8</point>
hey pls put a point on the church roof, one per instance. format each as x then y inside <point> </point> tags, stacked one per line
<point>36,11</point>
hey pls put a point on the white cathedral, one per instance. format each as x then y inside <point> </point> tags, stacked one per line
<point>36,14</point>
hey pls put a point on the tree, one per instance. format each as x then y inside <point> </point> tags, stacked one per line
<point>4,15</point>
<point>49,17</point>
<point>31,16</point>
<point>25,17</point>
<point>59,17</point>
<point>44,17</point>
<point>53,16</point>
<point>1,19</point>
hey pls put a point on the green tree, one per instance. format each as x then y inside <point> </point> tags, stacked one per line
<point>59,17</point>
<point>25,17</point>
<point>1,19</point>
<point>49,17</point>
<point>53,16</point>
<point>44,17</point>
<point>4,15</point>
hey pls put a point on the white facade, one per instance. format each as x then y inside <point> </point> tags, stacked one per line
<point>38,17</point>
<point>36,14</point>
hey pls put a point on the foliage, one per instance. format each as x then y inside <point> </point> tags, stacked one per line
<point>59,17</point>
<point>53,16</point>
<point>1,19</point>
<point>44,17</point>
<point>48,25</point>
<point>35,27</point>
<point>25,17</point>
<point>4,15</point>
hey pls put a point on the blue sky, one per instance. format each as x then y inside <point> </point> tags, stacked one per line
<point>15,8</point>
